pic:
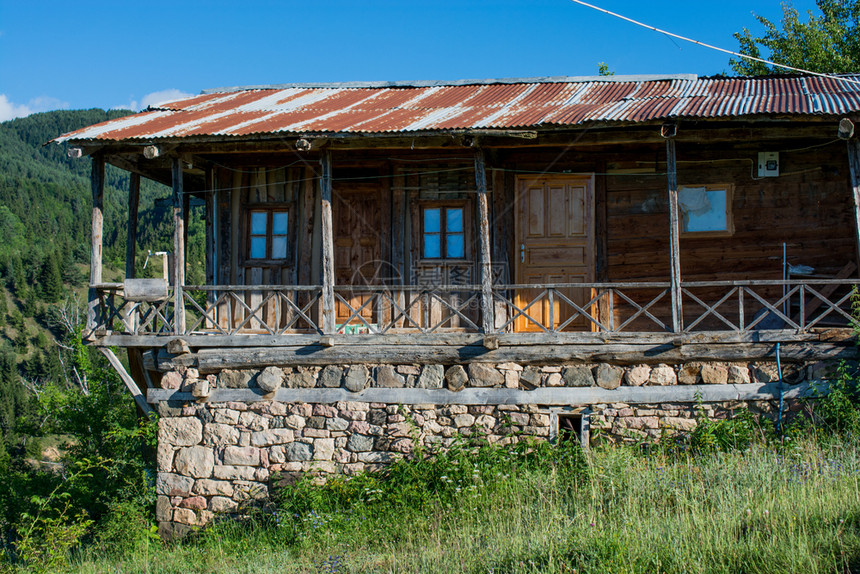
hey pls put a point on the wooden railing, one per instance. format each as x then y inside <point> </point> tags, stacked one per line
<point>715,306</point>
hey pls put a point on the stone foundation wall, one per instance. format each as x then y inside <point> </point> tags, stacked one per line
<point>218,457</point>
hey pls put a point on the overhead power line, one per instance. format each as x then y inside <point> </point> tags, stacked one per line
<point>717,48</point>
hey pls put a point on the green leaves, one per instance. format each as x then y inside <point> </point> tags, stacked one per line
<point>827,43</point>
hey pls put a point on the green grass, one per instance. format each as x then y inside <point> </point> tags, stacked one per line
<point>760,510</point>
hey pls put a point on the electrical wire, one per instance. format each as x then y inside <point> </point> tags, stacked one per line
<point>717,48</point>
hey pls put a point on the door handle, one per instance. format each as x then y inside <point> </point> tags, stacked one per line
<point>522,253</point>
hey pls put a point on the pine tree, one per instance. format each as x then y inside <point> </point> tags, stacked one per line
<point>50,279</point>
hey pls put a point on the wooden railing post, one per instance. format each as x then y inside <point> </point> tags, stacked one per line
<point>326,228</point>
<point>97,181</point>
<point>854,169</point>
<point>131,243</point>
<point>486,266</point>
<point>178,249</point>
<point>674,231</point>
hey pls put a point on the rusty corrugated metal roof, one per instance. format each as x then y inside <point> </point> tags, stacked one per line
<point>476,104</point>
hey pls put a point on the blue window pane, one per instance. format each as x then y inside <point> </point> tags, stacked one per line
<point>258,223</point>
<point>258,247</point>
<point>711,217</point>
<point>279,247</point>
<point>279,223</point>
<point>431,220</point>
<point>454,246</point>
<point>454,219</point>
<point>432,246</point>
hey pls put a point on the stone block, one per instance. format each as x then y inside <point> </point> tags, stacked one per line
<point>226,472</point>
<point>163,509</point>
<point>271,437</point>
<point>461,421</point>
<point>638,375</point>
<point>738,375</point>
<point>530,378</point>
<point>234,379</point>
<point>326,411</point>
<point>554,380</point>
<point>196,461</point>
<point>323,449</point>
<point>296,422</point>
<point>359,443</point>
<point>252,421</point>
<point>226,416</point>
<point>714,374</point>
<point>164,457</point>
<point>431,377</point>
<point>180,431</point>
<point>209,487</point>
<point>171,380</point>
<point>336,424</point>
<point>609,376</point>
<point>194,503</point>
<point>388,377</point>
<point>409,370</point>
<point>169,484</point>
<point>200,389</point>
<point>217,434</point>
<point>356,378</point>
<point>185,516</point>
<point>679,423</point>
<point>270,379</point>
<point>456,378</point>
<point>663,375</point>
<point>298,451</point>
<point>484,375</point>
<point>223,505</point>
<point>300,380</point>
<point>689,374</point>
<point>241,456</point>
<point>331,376</point>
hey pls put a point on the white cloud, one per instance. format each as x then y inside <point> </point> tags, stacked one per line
<point>10,110</point>
<point>152,99</point>
<point>156,98</point>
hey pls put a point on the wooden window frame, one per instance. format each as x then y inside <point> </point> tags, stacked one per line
<point>730,225</point>
<point>467,239</point>
<point>270,209</point>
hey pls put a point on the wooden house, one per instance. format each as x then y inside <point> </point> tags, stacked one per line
<point>509,257</point>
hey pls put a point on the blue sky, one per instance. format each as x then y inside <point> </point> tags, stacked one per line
<point>61,54</point>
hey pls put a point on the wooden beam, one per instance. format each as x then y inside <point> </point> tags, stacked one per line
<point>97,182</point>
<point>215,359</point>
<point>484,257</point>
<point>327,231</point>
<point>131,239</point>
<point>854,169</point>
<point>465,339</point>
<point>475,396</point>
<point>129,382</point>
<point>178,249</point>
<point>674,232</point>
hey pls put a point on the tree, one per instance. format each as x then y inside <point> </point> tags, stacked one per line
<point>828,43</point>
<point>50,279</point>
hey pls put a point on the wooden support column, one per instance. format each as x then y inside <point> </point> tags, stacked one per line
<point>131,239</point>
<point>97,181</point>
<point>484,259</point>
<point>327,232</point>
<point>178,249</point>
<point>854,169</point>
<point>674,231</point>
<point>129,314</point>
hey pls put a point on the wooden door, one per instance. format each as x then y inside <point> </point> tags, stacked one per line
<point>357,240</point>
<point>555,244</point>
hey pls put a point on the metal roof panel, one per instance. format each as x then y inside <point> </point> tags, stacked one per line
<point>472,104</point>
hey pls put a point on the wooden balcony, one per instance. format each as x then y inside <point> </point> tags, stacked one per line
<point>260,315</point>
